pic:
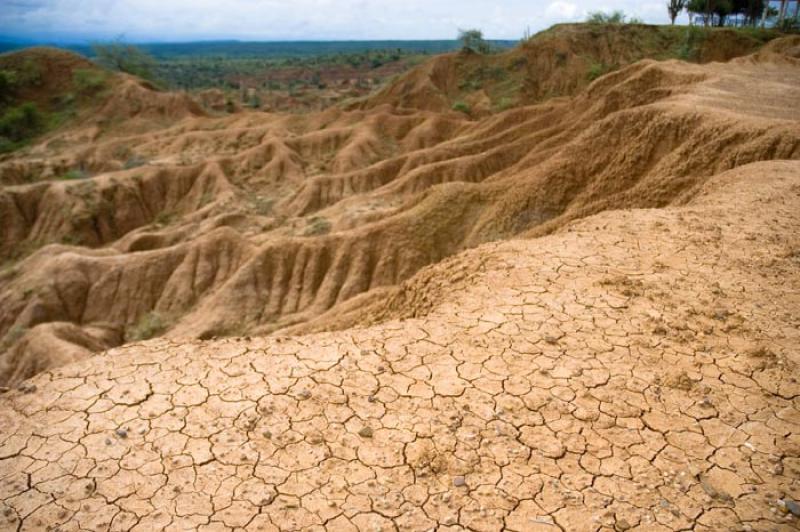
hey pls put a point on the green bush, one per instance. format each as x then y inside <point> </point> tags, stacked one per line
<point>318,226</point>
<point>600,17</point>
<point>472,40</point>
<point>74,174</point>
<point>21,123</point>
<point>596,70</point>
<point>149,326</point>
<point>7,83</point>
<point>462,107</point>
<point>126,58</point>
<point>89,81</point>
<point>692,43</point>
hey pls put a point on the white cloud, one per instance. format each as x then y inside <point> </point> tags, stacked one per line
<point>564,10</point>
<point>175,20</point>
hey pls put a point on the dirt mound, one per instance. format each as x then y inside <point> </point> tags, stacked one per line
<point>635,371</point>
<point>558,62</point>
<point>44,75</point>
<point>168,222</point>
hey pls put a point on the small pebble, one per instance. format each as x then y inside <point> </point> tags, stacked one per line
<point>122,433</point>
<point>459,482</point>
<point>366,432</point>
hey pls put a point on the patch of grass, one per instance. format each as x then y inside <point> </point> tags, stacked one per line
<point>692,44</point>
<point>71,240</point>
<point>462,107</point>
<point>134,161</point>
<point>263,206</point>
<point>89,81</point>
<point>73,175</point>
<point>12,336</point>
<point>148,326</point>
<point>504,104</point>
<point>596,70</point>
<point>20,124</point>
<point>164,218</point>
<point>318,226</point>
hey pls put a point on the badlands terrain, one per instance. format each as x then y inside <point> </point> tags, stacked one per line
<point>573,303</point>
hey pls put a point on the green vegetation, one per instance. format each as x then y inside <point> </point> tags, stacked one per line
<point>149,326</point>
<point>19,124</point>
<point>601,17</point>
<point>13,335</point>
<point>134,161</point>
<point>462,107</point>
<point>692,43</point>
<point>736,13</point>
<point>318,226</point>
<point>7,80</point>
<point>596,70</point>
<point>674,8</point>
<point>125,58</point>
<point>472,40</point>
<point>89,81</point>
<point>73,175</point>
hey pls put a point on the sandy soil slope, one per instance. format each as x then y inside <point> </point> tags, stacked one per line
<point>192,226</point>
<point>636,370</point>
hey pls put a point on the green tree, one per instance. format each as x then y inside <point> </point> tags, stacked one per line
<point>125,58</point>
<point>472,40</point>
<point>674,7</point>
<point>601,17</point>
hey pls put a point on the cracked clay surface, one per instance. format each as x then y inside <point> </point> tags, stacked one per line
<point>636,371</point>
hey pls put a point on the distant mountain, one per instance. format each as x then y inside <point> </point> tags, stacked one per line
<point>239,49</point>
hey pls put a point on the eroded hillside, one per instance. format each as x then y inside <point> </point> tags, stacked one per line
<point>579,313</point>
<point>149,217</point>
<point>635,371</point>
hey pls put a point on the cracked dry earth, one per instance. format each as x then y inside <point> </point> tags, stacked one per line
<point>635,371</point>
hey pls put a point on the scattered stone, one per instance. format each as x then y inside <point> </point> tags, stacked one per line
<point>122,433</point>
<point>365,432</point>
<point>459,481</point>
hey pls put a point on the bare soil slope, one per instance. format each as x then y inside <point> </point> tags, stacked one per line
<point>197,227</point>
<point>558,62</point>
<point>634,371</point>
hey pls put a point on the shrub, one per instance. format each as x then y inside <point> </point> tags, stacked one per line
<point>13,335</point>
<point>595,71</point>
<point>125,58</point>
<point>600,17</point>
<point>74,174</point>
<point>134,161</point>
<point>7,83</point>
<point>318,226</point>
<point>21,123</point>
<point>89,81</point>
<point>473,41</point>
<point>692,42</point>
<point>149,326</point>
<point>462,107</point>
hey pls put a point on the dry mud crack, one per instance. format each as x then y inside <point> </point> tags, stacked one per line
<point>636,370</point>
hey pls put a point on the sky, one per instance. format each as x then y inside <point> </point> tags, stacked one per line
<point>264,20</point>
